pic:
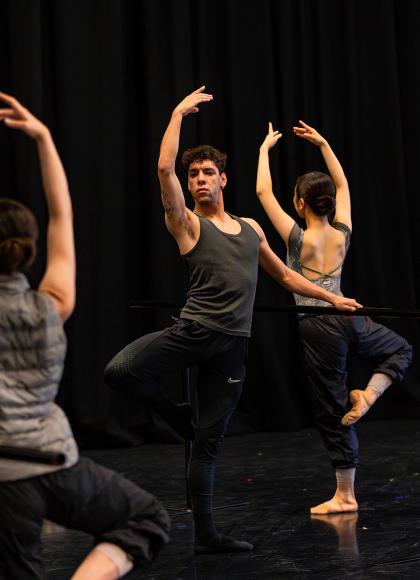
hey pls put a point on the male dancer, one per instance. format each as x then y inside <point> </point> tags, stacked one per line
<point>222,254</point>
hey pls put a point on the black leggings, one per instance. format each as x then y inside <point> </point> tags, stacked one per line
<point>326,343</point>
<point>221,360</point>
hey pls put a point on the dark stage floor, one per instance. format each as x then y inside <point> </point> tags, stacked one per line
<point>266,482</point>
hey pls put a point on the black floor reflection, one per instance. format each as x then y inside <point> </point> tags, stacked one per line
<point>266,484</point>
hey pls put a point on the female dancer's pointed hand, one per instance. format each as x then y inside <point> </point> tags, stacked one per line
<point>309,133</point>
<point>271,138</point>
<point>18,117</point>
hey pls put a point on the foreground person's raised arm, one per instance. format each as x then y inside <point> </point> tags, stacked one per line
<point>59,278</point>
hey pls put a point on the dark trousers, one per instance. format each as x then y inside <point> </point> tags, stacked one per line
<point>221,360</point>
<point>326,342</point>
<point>85,497</point>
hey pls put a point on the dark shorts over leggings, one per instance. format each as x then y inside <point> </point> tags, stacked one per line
<point>326,342</point>
<point>85,497</point>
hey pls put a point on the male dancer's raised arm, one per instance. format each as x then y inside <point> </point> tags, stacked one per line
<point>180,221</point>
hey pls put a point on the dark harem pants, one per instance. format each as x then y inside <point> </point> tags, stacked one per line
<point>86,497</point>
<point>326,342</point>
<point>221,360</point>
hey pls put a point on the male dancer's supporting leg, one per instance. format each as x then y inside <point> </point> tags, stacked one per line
<point>219,389</point>
<point>221,359</point>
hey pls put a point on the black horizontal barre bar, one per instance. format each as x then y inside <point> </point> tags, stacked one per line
<point>366,311</point>
<point>32,455</point>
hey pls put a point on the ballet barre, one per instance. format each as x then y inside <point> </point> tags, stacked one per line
<point>313,310</point>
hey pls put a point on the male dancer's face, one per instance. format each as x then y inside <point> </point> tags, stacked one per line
<point>205,182</point>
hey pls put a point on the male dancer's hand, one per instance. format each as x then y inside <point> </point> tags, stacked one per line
<point>343,303</point>
<point>271,138</point>
<point>18,117</point>
<point>191,102</point>
<point>309,133</point>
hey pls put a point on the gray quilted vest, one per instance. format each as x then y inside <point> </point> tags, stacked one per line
<point>32,351</point>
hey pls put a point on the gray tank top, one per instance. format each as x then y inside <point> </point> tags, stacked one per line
<point>329,281</point>
<point>223,273</point>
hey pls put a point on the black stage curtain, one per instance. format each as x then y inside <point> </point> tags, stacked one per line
<point>105,76</point>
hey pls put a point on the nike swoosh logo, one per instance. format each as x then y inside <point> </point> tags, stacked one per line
<point>230,380</point>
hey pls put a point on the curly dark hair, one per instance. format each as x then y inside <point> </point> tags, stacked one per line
<point>202,153</point>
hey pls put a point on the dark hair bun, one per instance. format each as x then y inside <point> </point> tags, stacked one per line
<point>323,204</point>
<point>16,254</point>
<point>18,235</point>
<point>318,191</point>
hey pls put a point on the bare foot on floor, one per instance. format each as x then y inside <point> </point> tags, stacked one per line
<point>342,522</point>
<point>334,506</point>
<point>362,402</point>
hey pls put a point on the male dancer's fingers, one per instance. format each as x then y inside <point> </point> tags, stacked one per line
<point>203,99</point>
<point>204,96</point>
<point>199,101</point>
<point>190,103</point>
